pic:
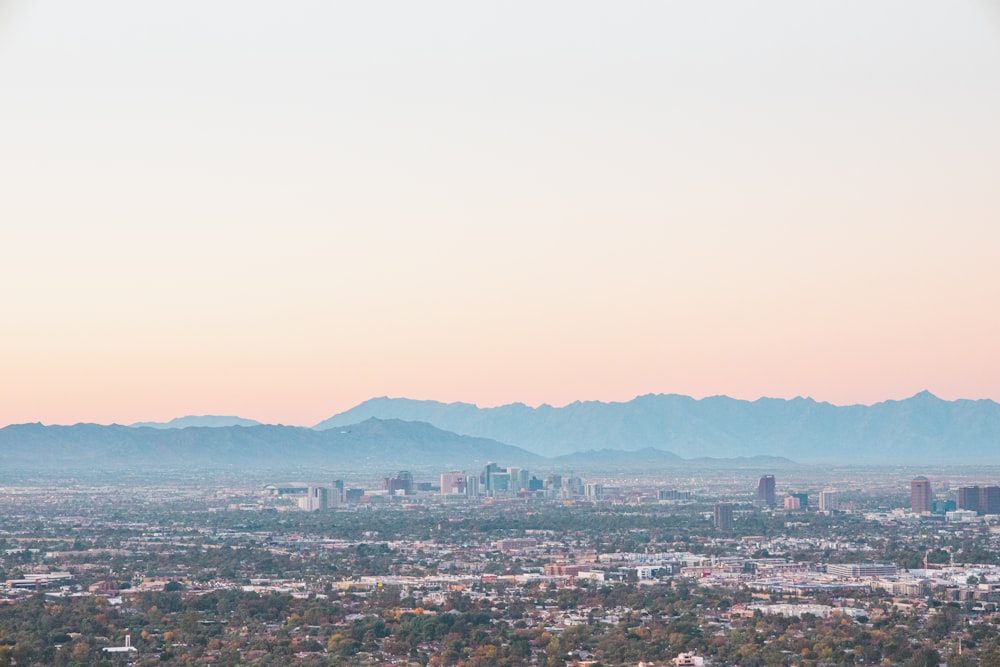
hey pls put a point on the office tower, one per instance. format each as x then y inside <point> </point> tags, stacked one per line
<point>519,478</point>
<point>593,491</point>
<point>989,500</point>
<point>920,495</point>
<point>572,486</point>
<point>765,491</point>
<point>942,507</point>
<point>498,483</point>
<point>453,483</point>
<point>472,486</point>
<point>828,501</point>
<point>724,516</point>
<point>792,503</point>
<point>968,498</point>
<point>315,499</point>
<point>553,481</point>
<point>490,469</point>
<point>400,485</point>
<point>803,499</point>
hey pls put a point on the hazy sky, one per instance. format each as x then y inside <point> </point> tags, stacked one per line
<point>278,210</point>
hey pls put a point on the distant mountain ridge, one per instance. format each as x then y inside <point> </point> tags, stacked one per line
<point>922,428</point>
<point>212,421</point>
<point>374,445</point>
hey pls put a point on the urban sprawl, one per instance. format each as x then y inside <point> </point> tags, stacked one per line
<point>504,567</point>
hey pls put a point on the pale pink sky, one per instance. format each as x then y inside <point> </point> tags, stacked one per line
<point>281,211</point>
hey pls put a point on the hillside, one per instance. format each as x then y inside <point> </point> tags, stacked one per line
<point>922,428</point>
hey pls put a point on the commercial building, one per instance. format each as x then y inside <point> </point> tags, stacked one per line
<point>989,500</point>
<point>968,498</point>
<point>943,506</point>
<point>453,483</point>
<point>921,496</point>
<point>829,501</point>
<point>400,485</point>
<point>765,491</point>
<point>861,570</point>
<point>724,516</point>
<point>981,499</point>
<point>317,498</point>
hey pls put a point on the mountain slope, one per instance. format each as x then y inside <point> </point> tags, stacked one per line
<point>374,444</point>
<point>922,428</point>
<point>198,420</point>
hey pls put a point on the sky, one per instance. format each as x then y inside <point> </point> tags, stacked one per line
<point>279,210</point>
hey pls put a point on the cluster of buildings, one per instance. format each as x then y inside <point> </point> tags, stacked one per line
<point>969,501</point>
<point>767,496</point>
<point>493,481</point>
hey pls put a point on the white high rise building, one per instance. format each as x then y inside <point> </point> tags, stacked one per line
<point>828,500</point>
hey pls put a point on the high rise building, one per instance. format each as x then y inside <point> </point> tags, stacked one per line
<point>920,495</point>
<point>968,498</point>
<point>519,478</point>
<point>490,469</point>
<point>498,483</point>
<point>453,483</point>
<point>943,506</point>
<point>765,491</point>
<point>792,503</point>
<point>316,498</point>
<point>400,485</point>
<point>336,493</point>
<point>724,516</point>
<point>829,501</point>
<point>472,486</point>
<point>989,500</point>
<point>593,491</point>
<point>803,499</point>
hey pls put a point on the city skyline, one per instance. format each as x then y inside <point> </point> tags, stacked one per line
<point>278,213</point>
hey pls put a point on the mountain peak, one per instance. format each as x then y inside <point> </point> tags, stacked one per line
<point>921,428</point>
<point>210,421</point>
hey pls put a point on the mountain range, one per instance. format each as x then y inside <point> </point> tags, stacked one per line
<point>653,431</point>
<point>213,421</point>
<point>375,444</point>
<point>922,428</point>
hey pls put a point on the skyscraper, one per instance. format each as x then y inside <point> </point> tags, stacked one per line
<point>920,495</point>
<point>724,516</point>
<point>453,483</point>
<point>401,484</point>
<point>765,491</point>
<point>828,501</point>
<point>968,498</point>
<point>989,500</point>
